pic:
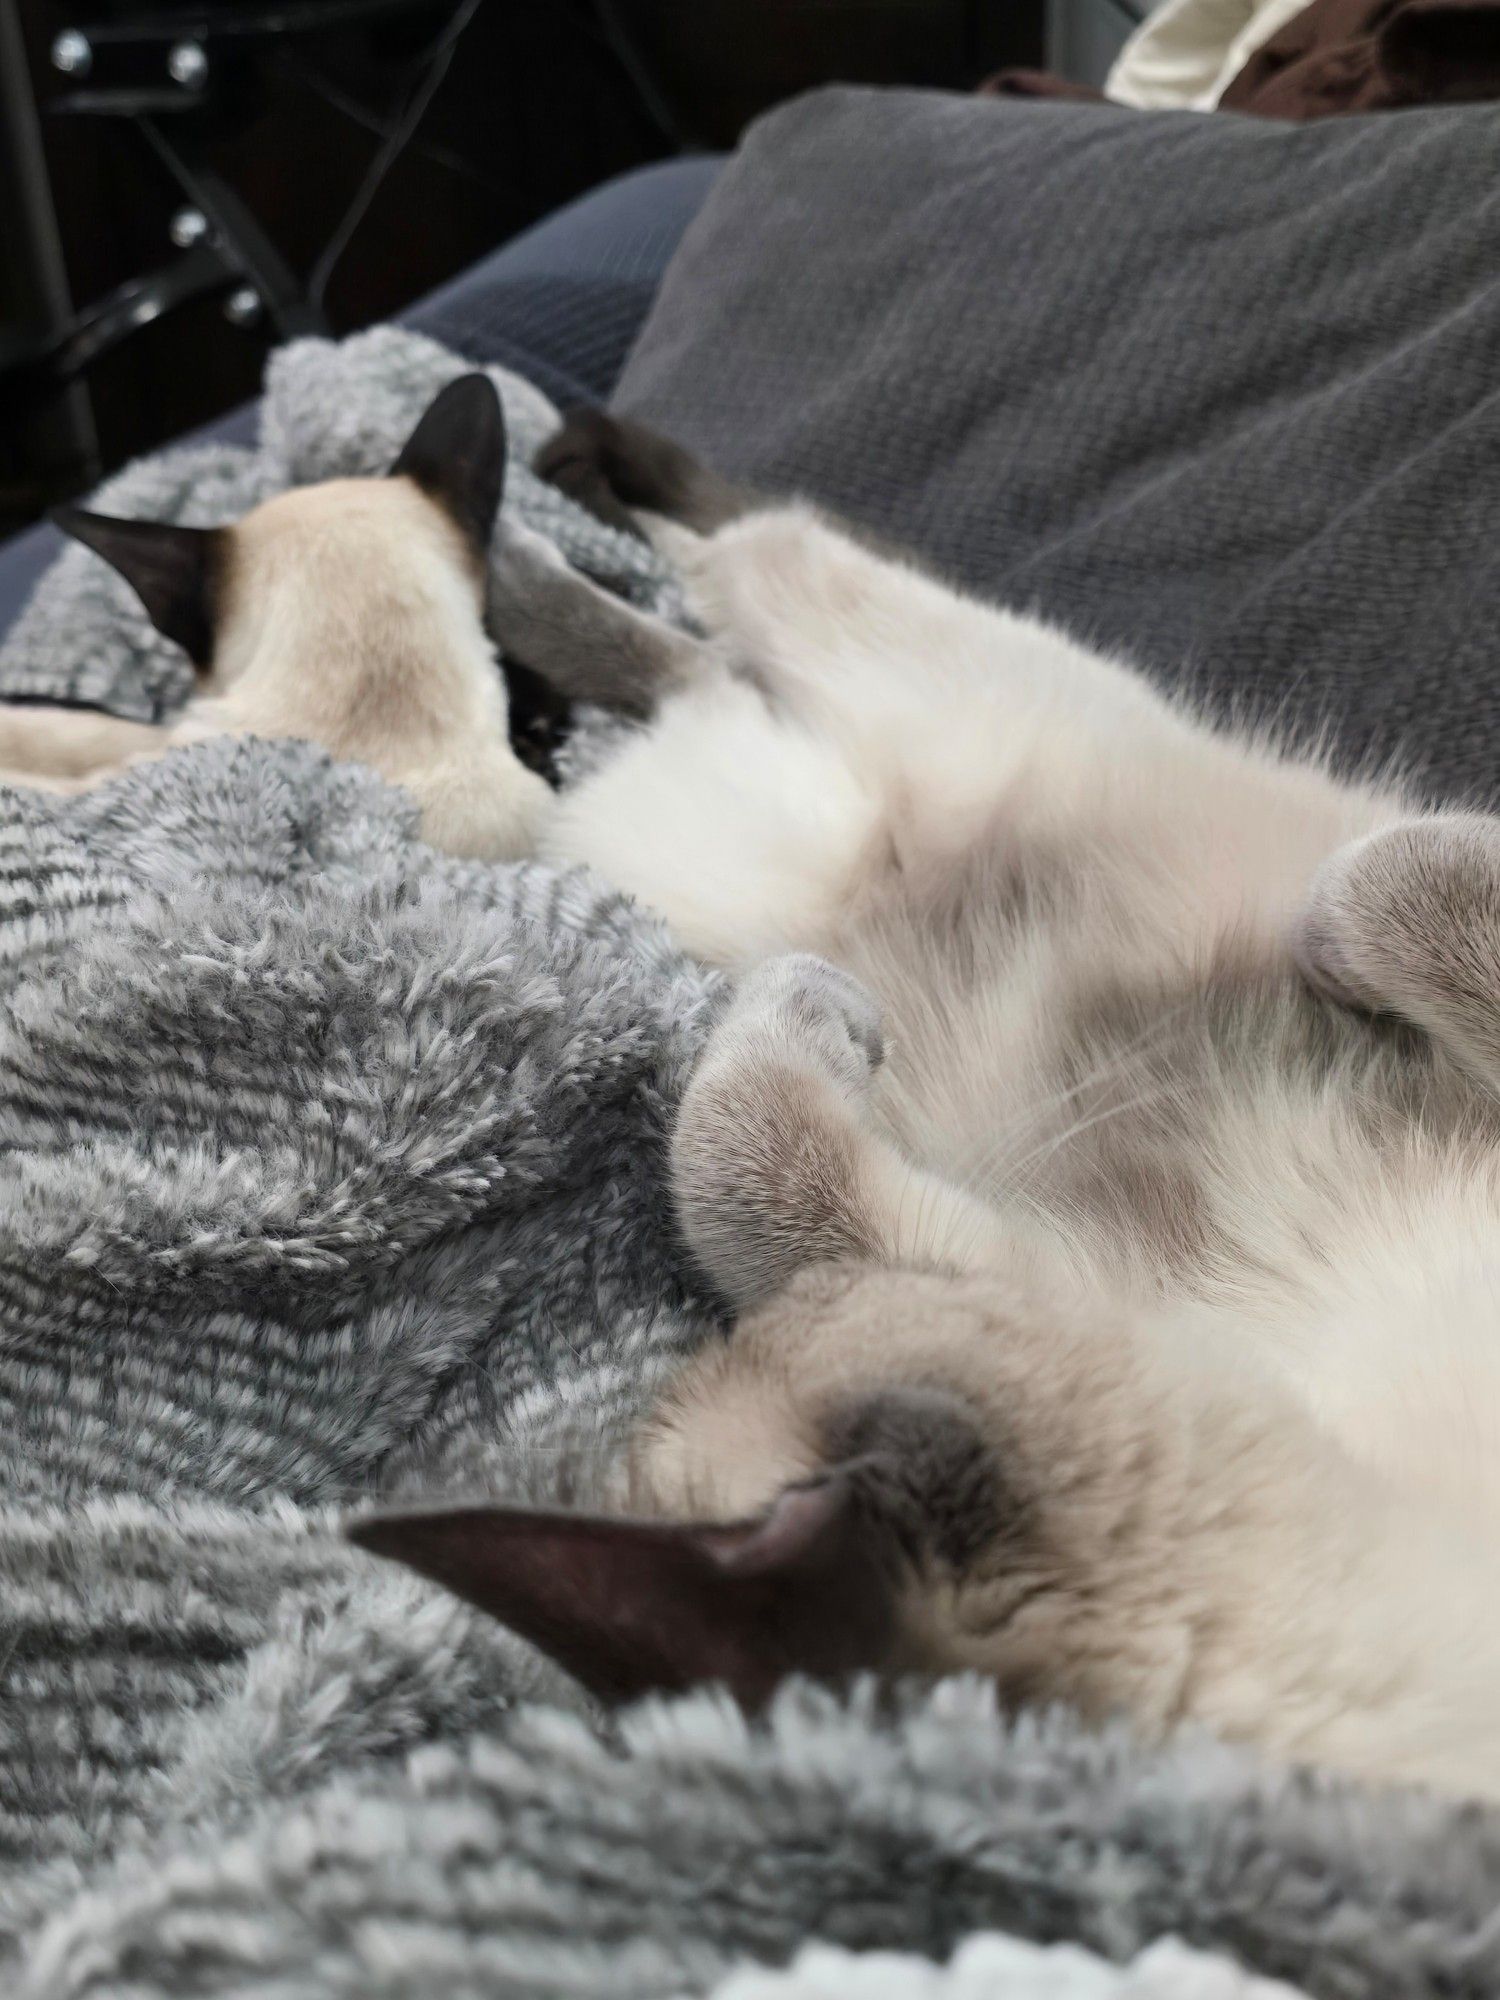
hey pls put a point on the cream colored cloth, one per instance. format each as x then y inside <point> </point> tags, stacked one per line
<point>991,1967</point>
<point>1187,53</point>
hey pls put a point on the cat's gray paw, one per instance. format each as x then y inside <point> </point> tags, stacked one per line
<point>615,467</point>
<point>1407,921</point>
<point>591,460</point>
<point>812,1010</point>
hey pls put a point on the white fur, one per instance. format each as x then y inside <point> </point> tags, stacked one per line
<point>1304,1503</point>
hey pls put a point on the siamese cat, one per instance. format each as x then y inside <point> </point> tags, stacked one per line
<point>1100,1151</point>
<point>346,613</point>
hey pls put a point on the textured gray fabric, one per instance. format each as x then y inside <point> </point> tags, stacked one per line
<point>299,1204</point>
<point>542,1859</point>
<point>331,1168</point>
<point>1220,392</point>
<point>298,1201</point>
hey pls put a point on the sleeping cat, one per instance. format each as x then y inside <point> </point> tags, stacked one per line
<point>347,613</point>
<point>1101,1150</point>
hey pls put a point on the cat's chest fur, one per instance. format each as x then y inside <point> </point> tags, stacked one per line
<point>1152,1103</point>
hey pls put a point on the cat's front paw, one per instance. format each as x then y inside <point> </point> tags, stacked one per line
<point>1407,921</point>
<point>801,1006</point>
<point>590,459</point>
<point>634,478</point>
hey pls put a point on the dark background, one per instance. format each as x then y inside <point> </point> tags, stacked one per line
<point>541,100</point>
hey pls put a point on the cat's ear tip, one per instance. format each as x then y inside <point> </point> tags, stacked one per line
<point>173,569</point>
<point>82,524</point>
<point>457,455</point>
<point>468,400</point>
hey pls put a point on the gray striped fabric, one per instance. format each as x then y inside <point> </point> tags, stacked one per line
<point>330,1167</point>
<point>321,1157</point>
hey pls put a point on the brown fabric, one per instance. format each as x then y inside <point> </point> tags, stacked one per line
<point>1039,83</point>
<point>1372,55</point>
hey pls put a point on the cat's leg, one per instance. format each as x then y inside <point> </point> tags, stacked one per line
<point>797,593</point>
<point>730,816</point>
<point>1407,921</point>
<point>866,713</point>
<point>584,641</point>
<point>620,469</point>
<point>775,1164</point>
<point>484,805</point>
<point>826,727</point>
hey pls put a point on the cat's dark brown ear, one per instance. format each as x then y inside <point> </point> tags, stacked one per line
<point>174,571</point>
<point>456,455</point>
<point>631,1607</point>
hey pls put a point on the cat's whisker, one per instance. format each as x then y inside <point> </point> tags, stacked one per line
<point>1041,1154</point>
<point>1112,1069</point>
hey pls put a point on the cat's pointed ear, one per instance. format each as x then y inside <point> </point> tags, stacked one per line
<point>631,1607</point>
<point>174,571</point>
<point>456,455</point>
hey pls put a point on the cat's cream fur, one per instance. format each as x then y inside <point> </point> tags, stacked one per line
<point>347,614</point>
<point>1206,1260</point>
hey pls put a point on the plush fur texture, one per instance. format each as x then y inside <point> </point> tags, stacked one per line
<point>541,1861</point>
<point>1131,1289</point>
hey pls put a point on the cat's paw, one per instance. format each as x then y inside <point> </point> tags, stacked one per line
<point>633,478</point>
<point>802,1006</point>
<point>1407,917</point>
<point>589,459</point>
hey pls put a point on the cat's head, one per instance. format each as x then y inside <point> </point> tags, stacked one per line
<point>860,1519</point>
<point>328,561</point>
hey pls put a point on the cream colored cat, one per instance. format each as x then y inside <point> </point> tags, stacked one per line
<point>348,614</point>
<point>1131,1331</point>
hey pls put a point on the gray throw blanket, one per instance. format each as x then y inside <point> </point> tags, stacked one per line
<point>1218,392</point>
<point>335,1168</point>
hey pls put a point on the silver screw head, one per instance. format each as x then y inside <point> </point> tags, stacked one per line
<point>187,227</point>
<point>71,53</point>
<point>242,307</point>
<point>187,64</point>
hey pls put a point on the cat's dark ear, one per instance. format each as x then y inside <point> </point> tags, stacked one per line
<point>176,572</point>
<point>456,455</point>
<point>631,1607</point>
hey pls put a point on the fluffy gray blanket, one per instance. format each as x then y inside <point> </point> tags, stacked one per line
<point>334,1167</point>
